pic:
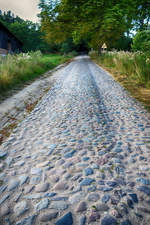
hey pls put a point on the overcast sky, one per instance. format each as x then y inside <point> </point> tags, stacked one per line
<point>26,9</point>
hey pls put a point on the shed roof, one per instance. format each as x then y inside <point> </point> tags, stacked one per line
<point>8,31</point>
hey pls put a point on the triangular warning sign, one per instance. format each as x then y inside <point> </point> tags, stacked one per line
<point>104,46</point>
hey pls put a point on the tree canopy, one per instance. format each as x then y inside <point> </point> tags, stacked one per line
<point>96,21</point>
<point>141,41</point>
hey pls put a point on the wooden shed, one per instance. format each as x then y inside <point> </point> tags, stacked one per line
<point>8,42</point>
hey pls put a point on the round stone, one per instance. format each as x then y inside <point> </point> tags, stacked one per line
<point>23,179</point>
<point>105,198</point>
<point>88,171</point>
<point>109,220</point>
<point>48,216</point>
<point>28,220</point>
<point>67,219</point>
<point>20,208</point>
<point>35,180</point>
<point>130,203</point>
<point>3,154</point>
<point>112,183</point>
<point>28,189</point>
<point>60,162</point>
<point>19,163</point>
<point>93,217</point>
<point>143,209</point>
<point>144,189</point>
<point>43,164</point>
<point>86,158</point>
<point>4,210</point>
<point>43,204</point>
<point>36,171</point>
<point>81,207</point>
<point>82,220</point>
<point>61,186</point>
<point>93,197</point>
<point>2,166</point>
<point>77,197</point>
<point>59,205</point>
<point>42,187</point>
<point>134,197</point>
<point>126,222</point>
<point>87,181</point>
<point>13,184</point>
<point>102,207</point>
<point>54,179</point>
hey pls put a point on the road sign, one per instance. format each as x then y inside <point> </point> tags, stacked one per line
<point>104,46</point>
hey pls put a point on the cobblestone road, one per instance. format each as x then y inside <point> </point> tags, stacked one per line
<point>81,157</point>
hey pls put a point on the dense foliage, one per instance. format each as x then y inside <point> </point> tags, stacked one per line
<point>95,21</point>
<point>33,38</point>
<point>141,41</point>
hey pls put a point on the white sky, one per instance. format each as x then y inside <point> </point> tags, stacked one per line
<point>25,9</point>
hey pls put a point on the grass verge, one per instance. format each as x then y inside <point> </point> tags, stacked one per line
<point>131,70</point>
<point>16,70</point>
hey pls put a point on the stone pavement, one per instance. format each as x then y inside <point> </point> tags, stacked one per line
<point>81,157</point>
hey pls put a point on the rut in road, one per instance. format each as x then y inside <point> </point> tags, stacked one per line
<point>81,157</point>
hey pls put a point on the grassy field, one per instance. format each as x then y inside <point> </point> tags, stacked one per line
<point>132,70</point>
<point>16,70</point>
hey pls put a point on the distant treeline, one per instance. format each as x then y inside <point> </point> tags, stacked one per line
<point>28,32</point>
<point>33,38</point>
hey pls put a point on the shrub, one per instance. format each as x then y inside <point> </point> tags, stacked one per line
<point>73,53</point>
<point>141,42</point>
<point>93,54</point>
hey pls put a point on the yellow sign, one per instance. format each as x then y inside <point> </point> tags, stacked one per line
<point>104,46</point>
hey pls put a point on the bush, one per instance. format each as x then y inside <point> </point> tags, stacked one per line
<point>141,42</point>
<point>93,54</point>
<point>73,53</point>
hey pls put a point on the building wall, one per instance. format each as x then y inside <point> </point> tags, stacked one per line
<point>3,39</point>
<point>6,39</point>
<point>3,51</point>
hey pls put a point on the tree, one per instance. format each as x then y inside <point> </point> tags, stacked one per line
<point>141,41</point>
<point>96,21</point>
<point>142,18</point>
<point>124,43</point>
<point>29,33</point>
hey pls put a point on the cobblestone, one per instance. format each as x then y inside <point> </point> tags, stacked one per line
<point>81,156</point>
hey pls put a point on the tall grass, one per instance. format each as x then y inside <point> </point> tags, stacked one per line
<point>133,66</point>
<point>18,69</point>
<point>132,70</point>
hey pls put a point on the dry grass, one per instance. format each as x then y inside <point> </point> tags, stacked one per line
<point>6,131</point>
<point>31,106</point>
